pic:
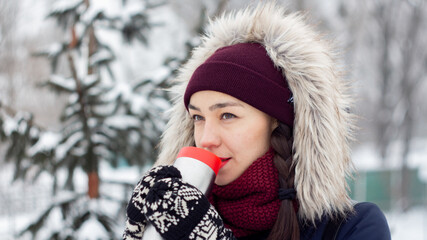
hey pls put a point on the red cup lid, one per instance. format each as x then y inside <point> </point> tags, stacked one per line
<point>210,159</point>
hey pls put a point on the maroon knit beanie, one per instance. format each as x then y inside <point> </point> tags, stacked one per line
<point>246,72</point>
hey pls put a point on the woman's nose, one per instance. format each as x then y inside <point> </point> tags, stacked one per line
<point>210,137</point>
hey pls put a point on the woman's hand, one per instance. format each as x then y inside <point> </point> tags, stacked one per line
<point>176,209</point>
<point>179,210</point>
<point>136,221</point>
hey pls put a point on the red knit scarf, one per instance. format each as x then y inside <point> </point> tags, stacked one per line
<point>250,203</point>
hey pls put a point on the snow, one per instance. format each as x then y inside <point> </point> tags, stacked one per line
<point>408,225</point>
<point>33,12</point>
<point>65,147</point>
<point>159,74</point>
<point>110,8</point>
<point>16,124</point>
<point>134,137</point>
<point>73,98</point>
<point>89,15</point>
<point>90,226</point>
<point>120,89</point>
<point>122,122</point>
<point>47,142</point>
<point>161,103</point>
<point>9,126</point>
<point>64,5</point>
<point>71,110</point>
<point>126,174</point>
<point>67,83</point>
<point>22,127</point>
<point>133,8</point>
<point>54,216</point>
<point>65,196</point>
<point>34,133</point>
<point>90,79</point>
<point>99,138</point>
<point>100,56</point>
<point>54,49</point>
<point>139,103</point>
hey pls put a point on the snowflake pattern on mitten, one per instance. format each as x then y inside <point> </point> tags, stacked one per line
<point>134,230</point>
<point>146,183</point>
<point>211,227</point>
<point>179,210</point>
<point>136,222</point>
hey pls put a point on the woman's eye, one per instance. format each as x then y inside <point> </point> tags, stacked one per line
<point>197,117</point>
<point>227,116</point>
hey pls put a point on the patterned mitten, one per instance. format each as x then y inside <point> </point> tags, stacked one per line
<point>179,210</point>
<point>136,221</point>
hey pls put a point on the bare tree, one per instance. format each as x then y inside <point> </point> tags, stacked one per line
<point>384,13</point>
<point>401,70</point>
<point>386,41</point>
<point>8,12</point>
<point>413,55</point>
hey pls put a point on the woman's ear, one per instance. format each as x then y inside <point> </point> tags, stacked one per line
<point>274,124</point>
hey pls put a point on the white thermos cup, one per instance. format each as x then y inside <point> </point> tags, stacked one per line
<point>198,167</point>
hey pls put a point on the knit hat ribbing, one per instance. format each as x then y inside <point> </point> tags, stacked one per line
<point>246,72</point>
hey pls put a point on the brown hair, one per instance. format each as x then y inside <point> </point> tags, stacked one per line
<point>286,225</point>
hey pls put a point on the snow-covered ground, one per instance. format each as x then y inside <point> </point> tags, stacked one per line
<point>409,225</point>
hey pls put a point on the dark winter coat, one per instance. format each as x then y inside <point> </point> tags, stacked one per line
<point>367,223</point>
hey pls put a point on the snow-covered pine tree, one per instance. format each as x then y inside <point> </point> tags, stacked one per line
<point>20,133</point>
<point>105,119</point>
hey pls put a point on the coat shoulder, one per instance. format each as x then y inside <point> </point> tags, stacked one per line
<point>367,222</point>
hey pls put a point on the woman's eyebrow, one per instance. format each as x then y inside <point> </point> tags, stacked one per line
<point>193,107</point>
<point>224,104</point>
<point>217,106</point>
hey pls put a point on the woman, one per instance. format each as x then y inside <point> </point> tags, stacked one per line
<point>262,92</point>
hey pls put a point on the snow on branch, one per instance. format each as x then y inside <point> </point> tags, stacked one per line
<point>17,124</point>
<point>67,84</point>
<point>91,14</point>
<point>47,142</point>
<point>123,122</point>
<point>101,56</point>
<point>64,6</point>
<point>9,126</point>
<point>90,80</point>
<point>62,150</point>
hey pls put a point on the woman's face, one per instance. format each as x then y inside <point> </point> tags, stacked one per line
<point>233,130</point>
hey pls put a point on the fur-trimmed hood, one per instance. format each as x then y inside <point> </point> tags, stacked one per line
<point>322,125</point>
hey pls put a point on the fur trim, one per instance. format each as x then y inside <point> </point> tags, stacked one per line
<point>322,127</point>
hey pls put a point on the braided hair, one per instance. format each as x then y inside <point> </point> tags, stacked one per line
<point>286,225</point>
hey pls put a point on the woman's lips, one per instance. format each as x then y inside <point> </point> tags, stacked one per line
<point>223,162</point>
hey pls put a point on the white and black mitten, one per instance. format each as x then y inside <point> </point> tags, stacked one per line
<point>179,210</point>
<point>136,222</point>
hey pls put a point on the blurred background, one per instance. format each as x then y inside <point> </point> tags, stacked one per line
<point>82,106</point>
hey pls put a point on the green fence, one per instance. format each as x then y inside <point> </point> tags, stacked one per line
<point>383,187</point>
